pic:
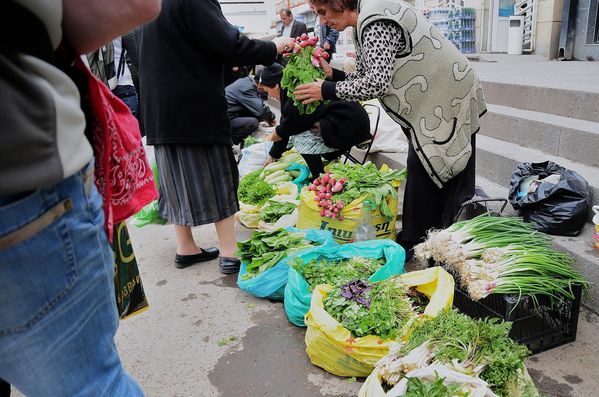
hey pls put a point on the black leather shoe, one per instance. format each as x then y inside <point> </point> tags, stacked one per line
<point>182,261</point>
<point>228,265</point>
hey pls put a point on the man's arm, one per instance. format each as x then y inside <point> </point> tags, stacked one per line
<point>89,24</point>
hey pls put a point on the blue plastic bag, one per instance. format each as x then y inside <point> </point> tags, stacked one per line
<point>271,283</point>
<point>297,294</point>
<point>302,179</point>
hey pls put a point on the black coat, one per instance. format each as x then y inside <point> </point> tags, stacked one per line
<point>181,56</point>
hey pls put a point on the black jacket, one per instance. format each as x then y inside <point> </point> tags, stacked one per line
<point>342,124</point>
<point>181,56</point>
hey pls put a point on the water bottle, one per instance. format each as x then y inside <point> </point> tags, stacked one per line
<point>364,228</point>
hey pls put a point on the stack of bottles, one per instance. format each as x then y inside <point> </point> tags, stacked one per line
<point>439,18</point>
<point>460,29</point>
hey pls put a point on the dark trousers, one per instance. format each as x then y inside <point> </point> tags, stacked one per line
<point>314,161</point>
<point>242,127</point>
<point>426,206</point>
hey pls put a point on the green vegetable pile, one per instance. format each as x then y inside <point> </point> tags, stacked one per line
<point>367,180</point>
<point>265,249</point>
<point>321,271</point>
<point>424,388</point>
<point>300,70</point>
<point>249,141</point>
<point>253,190</point>
<point>383,308</point>
<point>474,347</point>
<point>272,211</point>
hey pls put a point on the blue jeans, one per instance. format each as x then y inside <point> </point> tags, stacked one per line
<point>128,95</point>
<point>58,313</point>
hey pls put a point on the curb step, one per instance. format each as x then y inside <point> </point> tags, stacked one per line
<point>566,137</point>
<point>563,102</point>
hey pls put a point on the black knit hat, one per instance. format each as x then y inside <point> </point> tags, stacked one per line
<point>271,75</point>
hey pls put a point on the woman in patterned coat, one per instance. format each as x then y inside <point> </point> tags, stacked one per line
<point>425,85</point>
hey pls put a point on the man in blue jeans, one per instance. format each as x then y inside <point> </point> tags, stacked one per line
<point>58,315</point>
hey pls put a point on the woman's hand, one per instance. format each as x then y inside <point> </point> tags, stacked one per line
<point>274,137</point>
<point>268,161</point>
<point>310,92</point>
<point>284,44</point>
<point>326,68</point>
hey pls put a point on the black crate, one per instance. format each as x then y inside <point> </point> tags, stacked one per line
<point>548,324</point>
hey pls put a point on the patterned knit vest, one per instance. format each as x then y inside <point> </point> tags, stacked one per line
<point>434,94</point>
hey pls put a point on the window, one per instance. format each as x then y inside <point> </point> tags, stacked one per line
<point>593,24</point>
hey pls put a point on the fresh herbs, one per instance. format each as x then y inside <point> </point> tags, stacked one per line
<point>382,308</point>
<point>272,211</point>
<point>436,388</point>
<point>253,190</point>
<point>265,249</point>
<point>473,347</point>
<point>321,271</point>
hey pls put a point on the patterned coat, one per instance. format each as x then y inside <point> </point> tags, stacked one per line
<point>434,93</point>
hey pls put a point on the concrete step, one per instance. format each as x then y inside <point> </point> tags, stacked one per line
<point>561,136</point>
<point>579,247</point>
<point>563,102</point>
<point>496,161</point>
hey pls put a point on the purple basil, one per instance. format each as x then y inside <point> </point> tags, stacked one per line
<point>357,291</point>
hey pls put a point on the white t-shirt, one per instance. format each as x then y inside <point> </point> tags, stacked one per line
<point>125,77</point>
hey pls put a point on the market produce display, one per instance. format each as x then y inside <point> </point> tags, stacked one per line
<point>322,271</point>
<point>303,67</point>
<point>265,194</point>
<point>502,255</point>
<point>381,309</point>
<point>250,140</point>
<point>266,249</point>
<point>253,189</point>
<point>477,355</point>
<point>335,265</point>
<point>334,348</point>
<point>272,210</point>
<point>271,281</point>
<point>344,183</point>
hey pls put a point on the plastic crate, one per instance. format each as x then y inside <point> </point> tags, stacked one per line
<point>542,327</point>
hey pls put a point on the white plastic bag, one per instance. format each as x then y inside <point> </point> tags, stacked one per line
<point>253,157</point>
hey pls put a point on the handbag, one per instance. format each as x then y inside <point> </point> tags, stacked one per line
<point>122,174</point>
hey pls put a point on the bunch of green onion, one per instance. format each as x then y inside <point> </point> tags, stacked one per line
<point>501,255</point>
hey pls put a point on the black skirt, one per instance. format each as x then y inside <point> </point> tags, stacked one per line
<point>197,183</point>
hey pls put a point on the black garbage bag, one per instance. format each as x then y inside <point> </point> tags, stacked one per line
<point>551,197</point>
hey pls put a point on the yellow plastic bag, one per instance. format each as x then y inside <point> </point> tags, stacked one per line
<point>343,231</point>
<point>332,347</point>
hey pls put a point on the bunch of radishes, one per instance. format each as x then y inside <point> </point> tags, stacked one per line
<point>305,41</point>
<point>324,188</point>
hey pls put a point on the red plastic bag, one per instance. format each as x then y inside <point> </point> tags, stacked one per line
<point>122,173</point>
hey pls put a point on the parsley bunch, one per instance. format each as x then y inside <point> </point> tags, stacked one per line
<point>321,271</point>
<point>381,309</point>
<point>253,190</point>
